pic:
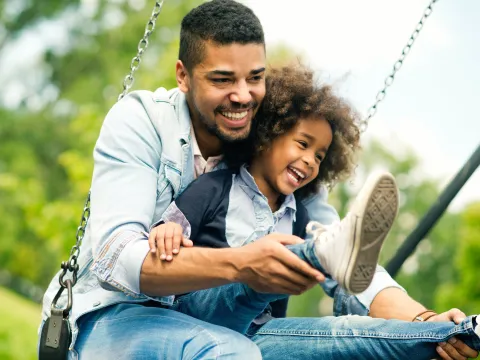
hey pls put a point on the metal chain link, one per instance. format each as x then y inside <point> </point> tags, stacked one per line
<point>396,67</point>
<point>142,46</point>
<point>71,264</point>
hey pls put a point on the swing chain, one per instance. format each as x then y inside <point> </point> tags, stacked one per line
<point>396,67</point>
<point>71,264</point>
<point>142,46</point>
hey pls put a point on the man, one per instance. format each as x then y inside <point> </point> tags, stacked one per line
<point>151,146</point>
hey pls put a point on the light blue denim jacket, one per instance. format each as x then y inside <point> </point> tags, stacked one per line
<point>142,160</point>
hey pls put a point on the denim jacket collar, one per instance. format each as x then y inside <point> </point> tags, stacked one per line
<point>183,114</point>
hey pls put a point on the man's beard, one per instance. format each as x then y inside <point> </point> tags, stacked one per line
<point>225,137</point>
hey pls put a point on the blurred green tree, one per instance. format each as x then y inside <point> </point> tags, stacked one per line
<point>46,149</point>
<point>463,291</point>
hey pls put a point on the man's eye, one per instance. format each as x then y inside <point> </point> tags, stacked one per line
<point>220,80</point>
<point>257,78</point>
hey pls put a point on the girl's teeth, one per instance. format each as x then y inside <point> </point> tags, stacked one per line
<point>298,173</point>
<point>293,178</point>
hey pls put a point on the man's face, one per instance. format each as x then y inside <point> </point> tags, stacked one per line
<point>226,89</point>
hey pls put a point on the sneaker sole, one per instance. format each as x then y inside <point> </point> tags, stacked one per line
<point>380,208</point>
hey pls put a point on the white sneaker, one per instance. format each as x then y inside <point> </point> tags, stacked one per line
<point>349,249</point>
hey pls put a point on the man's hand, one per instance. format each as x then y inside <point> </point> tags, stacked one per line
<point>268,266</point>
<point>453,349</point>
<point>167,238</point>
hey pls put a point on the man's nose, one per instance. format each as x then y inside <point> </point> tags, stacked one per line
<point>241,93</point>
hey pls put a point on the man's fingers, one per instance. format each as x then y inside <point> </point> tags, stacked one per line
<point>463,348</point>
<point>295,263</point>
<point>177,239</point>
<point>289,239</point>
<point>301,282</point>
<point>151,240</point>
<point>442,353</point>
<point>284,284</point>
<point>451,351</point>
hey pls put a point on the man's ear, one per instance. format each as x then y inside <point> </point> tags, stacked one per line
<point>183,80</point>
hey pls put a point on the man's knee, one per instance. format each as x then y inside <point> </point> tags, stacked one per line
<point>244,348</point>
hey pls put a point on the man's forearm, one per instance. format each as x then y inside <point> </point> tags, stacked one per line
<point>393,303</point>
<point>192,269</point>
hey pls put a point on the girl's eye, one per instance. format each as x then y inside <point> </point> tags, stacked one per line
<point>303,144</point>
<point>320,157</point>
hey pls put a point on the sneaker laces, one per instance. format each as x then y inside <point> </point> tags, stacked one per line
<point>316,229</point>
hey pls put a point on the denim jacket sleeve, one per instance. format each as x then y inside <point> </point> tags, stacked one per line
<point>345,303</point>
<point>124,194</point>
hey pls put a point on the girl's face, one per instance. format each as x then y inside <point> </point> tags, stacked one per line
<point>294,159</point>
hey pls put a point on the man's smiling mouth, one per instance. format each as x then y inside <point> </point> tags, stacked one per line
<point>234,115</point>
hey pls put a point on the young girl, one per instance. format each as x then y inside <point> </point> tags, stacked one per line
<point>304,137</point>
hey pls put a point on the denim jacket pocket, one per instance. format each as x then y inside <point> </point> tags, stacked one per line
<point>173,175</point>
<point>168,184</point>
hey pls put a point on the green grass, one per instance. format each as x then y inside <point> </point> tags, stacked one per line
<point>19,320</point>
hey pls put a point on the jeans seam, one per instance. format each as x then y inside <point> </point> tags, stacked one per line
<point>466,327</point>
<point>214,339</point>
<point>431,336</point>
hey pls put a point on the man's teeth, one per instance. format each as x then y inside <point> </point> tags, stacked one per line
<point>235,116</point>
<point>300,174</point>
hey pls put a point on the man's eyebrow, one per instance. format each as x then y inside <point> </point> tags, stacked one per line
<point>221,72</point>
<point>231,73</point>
<point>257,71</point>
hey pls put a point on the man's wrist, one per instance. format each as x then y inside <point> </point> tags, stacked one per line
<point>232,264</point>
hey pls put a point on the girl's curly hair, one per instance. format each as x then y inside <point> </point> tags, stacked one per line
<point>292,94</point>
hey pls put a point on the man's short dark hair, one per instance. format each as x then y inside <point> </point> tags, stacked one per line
<point>220,21</point>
